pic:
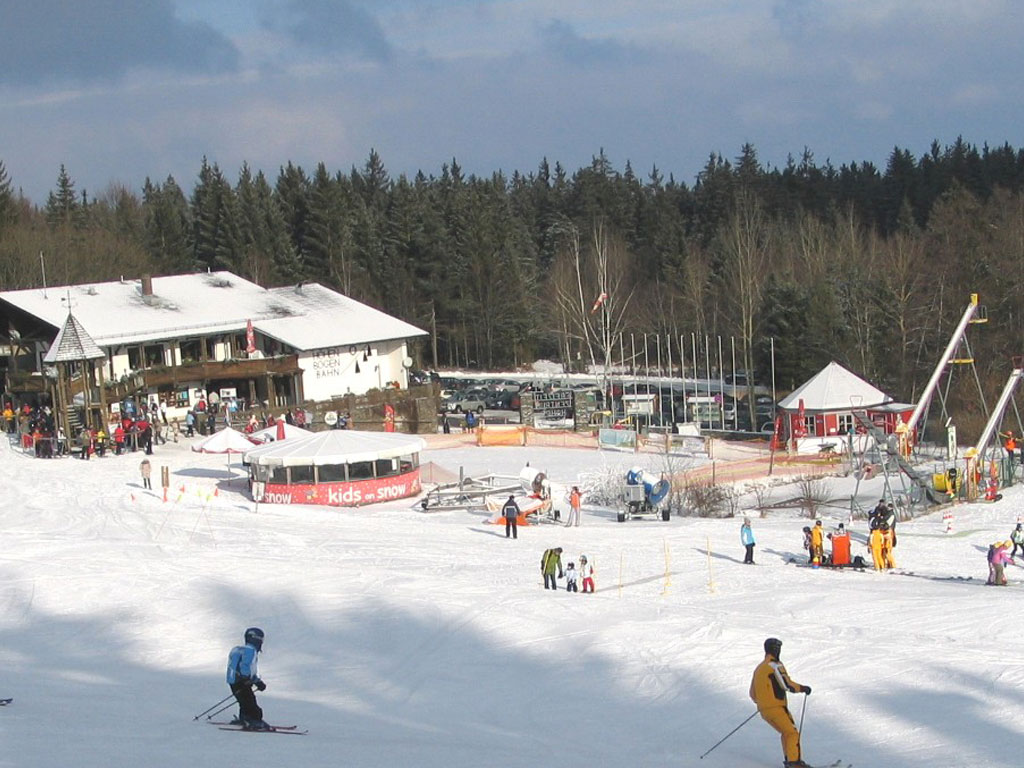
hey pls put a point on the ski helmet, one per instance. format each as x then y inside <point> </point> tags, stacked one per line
<point>773,646</point>
<point>254,637</point>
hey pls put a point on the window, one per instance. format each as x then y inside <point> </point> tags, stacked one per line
<point>360,470</point>
<point>154,355</point>
<point>189,351</point>
<point>809,425</point>
<point>331,473</point>
<point>279,476</point>
<point>135,358</point>
<point>301,475</point>
<point>846,423</point>
<point>408,463</point>
<point>386,467</point>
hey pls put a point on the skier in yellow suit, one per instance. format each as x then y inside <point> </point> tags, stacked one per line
<point>888,539</point>
<point>876,543</point>
<point>768,690</point>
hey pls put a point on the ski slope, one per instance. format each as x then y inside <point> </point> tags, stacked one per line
<point>404,638</point>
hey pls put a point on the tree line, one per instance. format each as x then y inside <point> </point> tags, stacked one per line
<point>868,266</point>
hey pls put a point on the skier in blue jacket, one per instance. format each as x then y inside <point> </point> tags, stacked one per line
<point>242,676</point>
<point>748,541</point>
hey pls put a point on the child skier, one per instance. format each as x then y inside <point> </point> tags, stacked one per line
<point>242,676</point>
<point>570,578</point>
<point>587,572</point>
<point>1017,538</point>
<point>998,559</point>
<point>747,540</point>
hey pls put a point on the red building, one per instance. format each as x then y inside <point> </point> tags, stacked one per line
<point>823,407</point>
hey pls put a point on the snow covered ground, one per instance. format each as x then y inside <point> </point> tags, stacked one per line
<point>404,638</point>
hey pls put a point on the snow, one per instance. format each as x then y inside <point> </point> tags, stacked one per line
<point>404,638</point>
<point>313,317</point>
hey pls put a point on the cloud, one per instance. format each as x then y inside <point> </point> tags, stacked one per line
<point>333,27</point>
<point>561,39</point>
<point>57,41</point>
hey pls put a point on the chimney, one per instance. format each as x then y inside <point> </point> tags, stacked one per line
<point>147,285</point>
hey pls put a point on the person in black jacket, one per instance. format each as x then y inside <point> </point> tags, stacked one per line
<point>510,511</point>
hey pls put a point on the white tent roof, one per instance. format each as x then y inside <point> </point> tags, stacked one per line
<point>834,388</point>
<point>269,434</point>
<point>225,441</point>
<point>335,446</point>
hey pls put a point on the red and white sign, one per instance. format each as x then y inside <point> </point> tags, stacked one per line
<point>352,494</point>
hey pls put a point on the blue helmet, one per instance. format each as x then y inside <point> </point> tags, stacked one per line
<point>254,637</point>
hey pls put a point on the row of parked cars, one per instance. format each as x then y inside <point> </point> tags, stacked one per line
<point>479,395</point>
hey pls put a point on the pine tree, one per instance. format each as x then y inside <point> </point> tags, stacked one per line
<point>62,205</point>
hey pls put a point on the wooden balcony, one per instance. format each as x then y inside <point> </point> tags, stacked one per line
<point>164,377</point>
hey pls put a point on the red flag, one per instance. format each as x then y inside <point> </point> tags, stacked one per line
<point>600,300</point>
<point>250,338</point>
<point>800,427</point>
<point>280,429</point>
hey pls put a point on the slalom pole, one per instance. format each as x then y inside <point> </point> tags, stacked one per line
<point>730,733</point>
<point>803,709</point>
<point>229,696</point>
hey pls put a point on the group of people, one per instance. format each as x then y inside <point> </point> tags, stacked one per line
<point>551,570</point>
<point>882,540</point>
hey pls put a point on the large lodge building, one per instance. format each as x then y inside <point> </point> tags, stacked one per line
<point>180,338</point>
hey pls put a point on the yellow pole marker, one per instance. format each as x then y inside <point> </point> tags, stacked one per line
<point>620,574</point>
<point>668,569</point>
<point>711,578</point>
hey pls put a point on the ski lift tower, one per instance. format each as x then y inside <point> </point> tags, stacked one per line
<point>974,313</point>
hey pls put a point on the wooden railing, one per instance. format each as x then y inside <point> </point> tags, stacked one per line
<point>163,377</point>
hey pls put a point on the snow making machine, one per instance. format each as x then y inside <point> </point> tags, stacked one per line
<point>643,496</point>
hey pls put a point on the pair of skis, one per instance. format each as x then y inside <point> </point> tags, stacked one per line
<point>285,730</point>
<point>5,702</point>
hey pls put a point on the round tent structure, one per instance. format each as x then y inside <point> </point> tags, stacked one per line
<point>336,468</point>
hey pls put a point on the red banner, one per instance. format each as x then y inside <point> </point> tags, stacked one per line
<point>351,494</point>
<point>250,338</point>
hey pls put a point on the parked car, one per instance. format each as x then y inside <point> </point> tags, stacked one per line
<point>470,400</point>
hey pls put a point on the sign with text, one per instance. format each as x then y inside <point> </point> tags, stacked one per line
<point>329,362</point>
<point>351,494</point>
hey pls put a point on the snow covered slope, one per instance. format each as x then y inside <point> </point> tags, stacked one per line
<point>401,638</point>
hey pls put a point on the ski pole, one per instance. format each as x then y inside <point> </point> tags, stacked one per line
<point>730,733</point>
<point>214,714</point>
<point>229,696</point>
<point>802,710</point>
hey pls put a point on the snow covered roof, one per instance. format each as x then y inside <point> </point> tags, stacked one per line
<point>324,313</point>
<point>834,388</point>
<point>73,344</point>
<point>335,446</point>
<point>117,312</point>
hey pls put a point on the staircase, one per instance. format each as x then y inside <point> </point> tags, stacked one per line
<point>920,479</point>
<point>73,423</point>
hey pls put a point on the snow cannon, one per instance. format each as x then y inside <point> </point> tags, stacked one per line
<point>534,482</point>
<point>643,495</point>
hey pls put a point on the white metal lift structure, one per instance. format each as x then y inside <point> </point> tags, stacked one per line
<point>974,313</point>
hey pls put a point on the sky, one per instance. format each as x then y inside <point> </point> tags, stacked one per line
<point>118,91</point>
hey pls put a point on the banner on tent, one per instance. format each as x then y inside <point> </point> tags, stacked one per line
<point>344,494</point>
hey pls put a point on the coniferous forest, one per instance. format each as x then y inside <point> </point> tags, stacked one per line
<point>868,266</point>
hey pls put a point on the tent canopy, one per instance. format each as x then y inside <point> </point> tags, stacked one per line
<point>334,446</point>
<point>834,388</point>
<point>269,434</point>
<point>225,441</point>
